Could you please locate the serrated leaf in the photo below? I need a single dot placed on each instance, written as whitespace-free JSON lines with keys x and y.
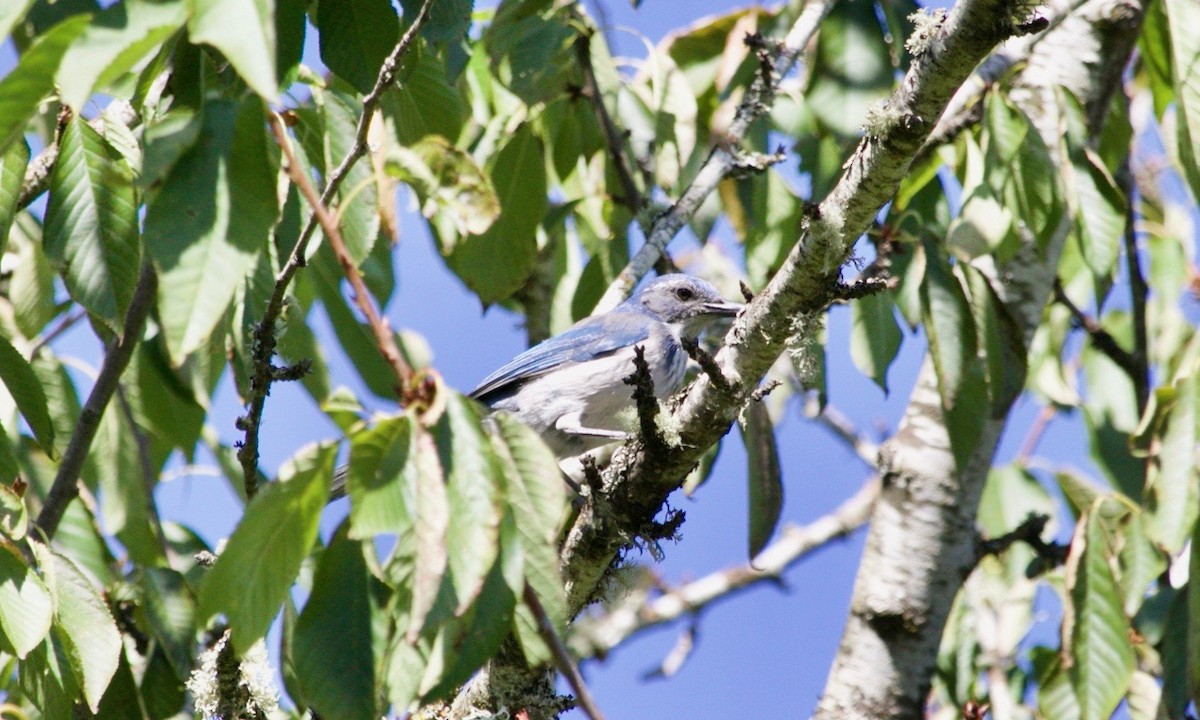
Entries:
{"x":281,"y":524}
{"x":1101,"y":212}
{"x":496,"y":263}
{"x":448,"y":20}
{"x":27,"y":392}
{"x":472,"y":489}
{"x":851,"y":69}
{"x":244,"y":32}
{"x":430,"y":529}
{"x":12,"y":175}
{"x":453,"y":190}
{"x":209,"y":220}
{"x":1184,"y":18}
{"x":1002,"y":340}
{"x":429,"y":104}
{"x":114,"y":42}
{"x":171,"y":610}
{"x":121,"y":478}
{"x":27,"y":84}
{"x":91,"y":232}
{"x":536,"y":494}
{"x":26,"y":607}
{"x":529,"y":51}
{"x":1172,"y":497}
{"x":336,"y":623}
{"x":874,"y":336}
{"x":1095,"y":629}
{"x":356,"y":37}
{"x":763,"y":475}
{"x":165,"y":140}
{"x":82,"y":624}
{"x":379,"y":478}
{"x":358,"y":197}
{"x":1056,"y":697}
{"x":949,"y":324}
{"x":31,"y":288}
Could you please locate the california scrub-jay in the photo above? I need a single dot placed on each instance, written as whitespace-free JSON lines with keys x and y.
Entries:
{"x":570,"y":388}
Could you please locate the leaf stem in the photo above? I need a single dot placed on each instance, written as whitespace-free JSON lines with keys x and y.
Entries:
{"x":262,"y":374}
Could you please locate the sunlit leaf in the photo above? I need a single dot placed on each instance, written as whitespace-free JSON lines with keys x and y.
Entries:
{"x":82,"y":624}
{"x":377,"y":478}
{"x":27,"y":392}
{"x":763,"y":475}
{"x":32,"y":79}
{"x":244,"y":32}
{"x":874,"y":336}
{"x":171,"y":609}
{"x":26,"y":608}
{"x":280,"y":524}
{"x":12,"y":176}
{"x":113,"y":43}
{"x":453,"y":190}
{"x":91,"y":232}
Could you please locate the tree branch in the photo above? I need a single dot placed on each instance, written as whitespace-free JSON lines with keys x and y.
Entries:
{"x":262,"y":374}
{"x":723,"y":157}
{"x":614,"y":137}
{"x":65,"y":487}
{"x":562,"y":658}
{"x":1101,"y":339}
{"x":843,"y":429}
{"x":1138,"y":291}
{"x":636,"y":613}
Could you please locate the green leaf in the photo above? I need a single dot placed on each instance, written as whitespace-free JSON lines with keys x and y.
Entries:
{"x":358,"y":197}
{"x":114,"y":42}
{"x":874,"y":336}
{"x":336,"y":625}
{"x":530,"y":52}
{"x":448,"y":20}
{"x":1101,"y":217}
{"x":171,"y":610}
{"x":14,"y":516}
{"x":31,"y":288}
{"x":1002,"y":339}
{"x":764,"y":477}
{"x":431,"y":526}
{"x":165,"y":140}
{"x":852,"y":67}
{"x":12,"y":175}
{"x":496,"y":263}
{"x":465,"y":643}
{"x":1192,"y":640}
{"x":27,"y":392}
{"x":280,"y":524}
{"x":769,"y":222}
{"x":1172,"y":498}
{"x":82,"y":624}
{"x":26,"y":608}
{"x":91,"y":232}
{"x":379,"y":478}
{"x":428,"y":105}
{"x":1096,"y":630}
{"x":454,"y":192}
{"x":118,"y":471}
{"x":209,"y":220}
{"x":949,"y":323}
{"x":472,"y":488}
{"x":356,"y":37}
{"x":536,"y":494}
{"x":11,"y":13}
{"x":244,"y":32}
{"x":26,"y":85}
{"x":1055,"y":696}
{"x":1184,"y":18}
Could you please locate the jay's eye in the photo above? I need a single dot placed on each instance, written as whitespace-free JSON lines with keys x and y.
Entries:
{"x":685,"y":293}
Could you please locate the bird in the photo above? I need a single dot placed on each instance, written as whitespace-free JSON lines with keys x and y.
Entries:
{"x":570,"y":388}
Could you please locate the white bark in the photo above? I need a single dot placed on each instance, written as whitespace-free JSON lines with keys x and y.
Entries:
{"x":922,"y":540}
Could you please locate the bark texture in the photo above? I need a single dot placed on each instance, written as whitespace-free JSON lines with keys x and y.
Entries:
{"x":922,"y":540}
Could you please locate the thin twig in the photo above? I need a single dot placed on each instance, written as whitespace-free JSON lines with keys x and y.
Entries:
{"x":596,"y":636}
{"x":562,"y":658}
{"x":63,"y":325}
{"x":1030,"y":533}
{"x":843,"y":428}
{"x":1138,"y":290}
{"x":722,"y":159}
{"x":613,"y":136}
{"x":644,"y":399}
{"x":1036,"y":431}
{"x":362,"y":297}
{"x":65,"y":487}
{"x":261,"y":375}
{"x":1101,"y":339}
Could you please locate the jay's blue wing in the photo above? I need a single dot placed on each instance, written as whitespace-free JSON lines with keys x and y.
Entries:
{"x":587,"y":340}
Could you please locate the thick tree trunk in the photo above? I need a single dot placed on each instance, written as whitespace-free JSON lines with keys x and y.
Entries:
{"x":921,"y":545}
